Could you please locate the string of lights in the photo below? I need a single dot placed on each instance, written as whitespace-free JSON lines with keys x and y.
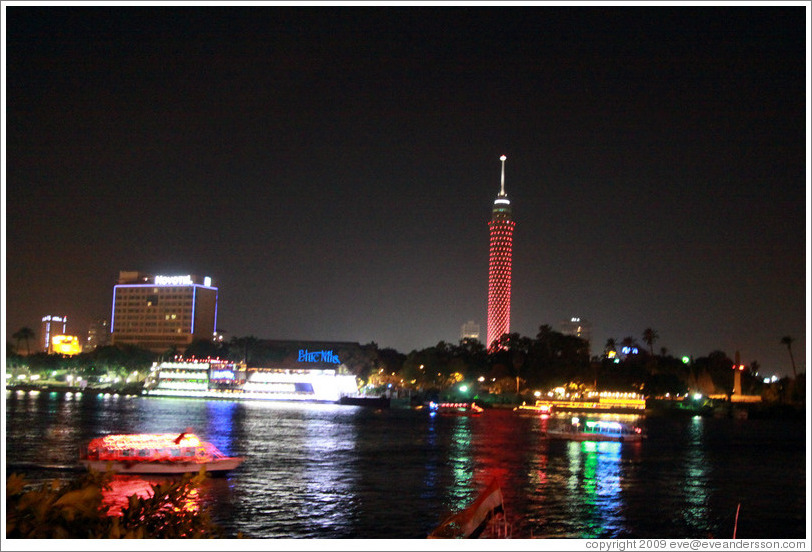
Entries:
{"x":500,"y":264}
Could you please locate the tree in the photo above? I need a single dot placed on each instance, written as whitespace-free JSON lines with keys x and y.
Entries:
{"x":610,"y":347}
{"x":787,"y":340}
{"x":649,"y":337}
{"x":628,"y":341}
{"x":24,"y":333}
{"x":202,"y":348}
{"x":243,"y":347}
{"x":76,"y":510}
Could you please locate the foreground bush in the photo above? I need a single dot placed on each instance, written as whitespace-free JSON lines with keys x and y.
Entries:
{"x":75,"y":510}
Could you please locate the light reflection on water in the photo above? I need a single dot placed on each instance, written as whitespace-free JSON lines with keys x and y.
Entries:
{"x":121,"y":487}
{"x":594,"y":484}
{"x":330,"y":471}
{"x":695,"y":512}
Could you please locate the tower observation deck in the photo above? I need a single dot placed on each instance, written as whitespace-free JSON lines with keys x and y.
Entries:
{"x":500,"y":265}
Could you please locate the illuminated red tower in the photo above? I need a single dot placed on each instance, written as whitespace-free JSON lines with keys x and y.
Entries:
{"x":500,"y":265}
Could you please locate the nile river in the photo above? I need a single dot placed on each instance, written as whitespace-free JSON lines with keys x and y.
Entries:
{"x":331,"y":471}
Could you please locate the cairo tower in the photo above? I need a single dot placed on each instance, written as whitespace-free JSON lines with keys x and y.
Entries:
{"x":500,"y":264}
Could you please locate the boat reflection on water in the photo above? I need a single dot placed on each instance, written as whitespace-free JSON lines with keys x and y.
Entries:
{"x":116,"y":496}
{"x":595,"y":485}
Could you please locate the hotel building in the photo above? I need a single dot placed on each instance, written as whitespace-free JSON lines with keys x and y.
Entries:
{"x":52,"y":326}
{"x":161,"y":312}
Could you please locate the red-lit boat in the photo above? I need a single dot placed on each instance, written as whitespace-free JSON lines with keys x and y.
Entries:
{"x":167,"y":453}
{"x":456,"y":408}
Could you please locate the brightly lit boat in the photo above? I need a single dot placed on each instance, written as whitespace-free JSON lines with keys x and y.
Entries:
{"x":604,"y":401}
{"x":455,"y":408}
{"x":167,"y":453}
{"x":600,"y":430}
{"x":538,"y":408}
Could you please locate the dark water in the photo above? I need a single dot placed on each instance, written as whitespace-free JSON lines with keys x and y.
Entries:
{"x":330,"y":471}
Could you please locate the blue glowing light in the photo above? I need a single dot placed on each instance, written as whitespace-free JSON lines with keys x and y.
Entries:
{"x":222,"y":374}
{"x":318,"y":356}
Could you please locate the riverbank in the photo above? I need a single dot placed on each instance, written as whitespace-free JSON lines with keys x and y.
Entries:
{"x":654,"y":408}
{"x":134,"y":388}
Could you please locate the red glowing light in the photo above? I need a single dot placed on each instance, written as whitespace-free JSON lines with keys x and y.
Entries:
{"x":145,"y":440}
{"x":499,"y":278}
{"x":150,"y":447}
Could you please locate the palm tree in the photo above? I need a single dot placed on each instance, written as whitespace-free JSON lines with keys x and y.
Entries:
{"x":611,"y":346}
{"x":650,"y":336}
{"x":627,"y":342}
{"x":24,"y":333}
{"x":787,"y":340}
{"x":242,"y":347}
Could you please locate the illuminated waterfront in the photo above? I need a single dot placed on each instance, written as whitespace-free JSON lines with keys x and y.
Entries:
{"x":329,"y":471}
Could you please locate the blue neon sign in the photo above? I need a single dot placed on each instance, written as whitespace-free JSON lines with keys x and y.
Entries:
{"x":318,"y":356}
{"x":222,"y":374}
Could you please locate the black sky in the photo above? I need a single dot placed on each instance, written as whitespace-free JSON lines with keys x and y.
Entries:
{"x":333,"y":168}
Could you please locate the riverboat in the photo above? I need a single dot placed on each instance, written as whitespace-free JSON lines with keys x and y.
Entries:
{"x":156,"y":454}
{"x":218,"y":379}
{"x":600,"y":430}
{"x":542,"y":408}
{"x":605,"y":401}
{"x":455,"y":408}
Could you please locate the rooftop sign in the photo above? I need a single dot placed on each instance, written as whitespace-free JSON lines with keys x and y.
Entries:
{"x":318,"y":356}
{"x":174,"y":280}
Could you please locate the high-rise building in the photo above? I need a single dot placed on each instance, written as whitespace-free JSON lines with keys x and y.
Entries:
{"x":160,"y":313}
{"x":51,"y":326}
{"x":500,"y":265}
{"x":469,"y":330}
{"x":577,"y":326}
{"x":98,"y":335}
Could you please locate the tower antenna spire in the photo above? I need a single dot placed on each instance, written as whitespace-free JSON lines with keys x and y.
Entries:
{"x":502,"y":192}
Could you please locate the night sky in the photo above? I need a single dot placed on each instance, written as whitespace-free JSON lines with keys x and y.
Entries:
{"x":333,"y":169}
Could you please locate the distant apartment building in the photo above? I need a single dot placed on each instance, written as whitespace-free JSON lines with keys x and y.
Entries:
{"x":578,"y":327}
{"x":98,"y":335}
{"x":52,"y":326}
{"x":469,"y":331}
{"x":161,"y":312}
